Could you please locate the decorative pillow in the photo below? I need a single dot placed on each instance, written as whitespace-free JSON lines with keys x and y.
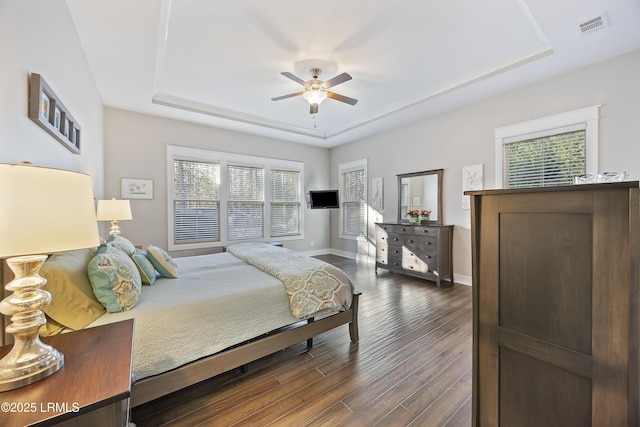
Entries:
{"x":145,"y":268}
{"x":115,"y":280}
{"x":161,"y":260}
{"x":121,"y":243}
{"x":51,"y":327}
{"x":73,"y":304}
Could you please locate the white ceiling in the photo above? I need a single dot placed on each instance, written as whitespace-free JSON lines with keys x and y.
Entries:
{"x":219,"y":62}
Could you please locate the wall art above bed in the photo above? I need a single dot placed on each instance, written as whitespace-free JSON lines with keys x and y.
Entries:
{"x":136,"y":188}
{"x":46,"y":109}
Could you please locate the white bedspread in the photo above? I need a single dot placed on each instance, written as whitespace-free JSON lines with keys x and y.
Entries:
{"x":218,"y":301}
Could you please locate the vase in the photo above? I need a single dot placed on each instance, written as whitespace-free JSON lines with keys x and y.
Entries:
{"x":424,"y":218}
{"x":414,"y":219}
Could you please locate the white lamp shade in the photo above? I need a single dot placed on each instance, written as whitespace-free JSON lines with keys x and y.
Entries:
{"x":114,"y":210}
{"x":45,"y":210}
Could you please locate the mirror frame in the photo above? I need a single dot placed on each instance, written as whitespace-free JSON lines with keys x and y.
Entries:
{"x":437,"y":172}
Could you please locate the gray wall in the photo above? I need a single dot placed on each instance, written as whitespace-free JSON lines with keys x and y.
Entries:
{"x":135,"y":147}
{"x":40,"y":37}
{"x":466,"y":137}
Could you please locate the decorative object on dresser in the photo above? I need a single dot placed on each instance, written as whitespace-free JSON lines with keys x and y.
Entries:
{"x":42,"y":211}
{"x":115,"y":211}
{"x":417,"y":250}
{"x":46,"y":109}
{"x":555,"y":306}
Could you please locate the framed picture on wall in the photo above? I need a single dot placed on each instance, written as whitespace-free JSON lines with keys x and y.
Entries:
{"x":48,"y":112}
{"x":136,"y":188}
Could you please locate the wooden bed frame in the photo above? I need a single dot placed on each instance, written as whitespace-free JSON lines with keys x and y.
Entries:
{"x":160,"y":385}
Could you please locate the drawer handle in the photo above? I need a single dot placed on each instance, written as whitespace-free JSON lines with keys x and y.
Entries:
{"x":382,"y":249}
{"x":429,"y":243}
{"x":396,"y":251}
{"x":410,"y":241}
{"x":425,"y":231}
{"x":396,"y":239}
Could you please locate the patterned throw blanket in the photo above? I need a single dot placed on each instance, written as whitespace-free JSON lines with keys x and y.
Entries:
{"x":314,"y":287}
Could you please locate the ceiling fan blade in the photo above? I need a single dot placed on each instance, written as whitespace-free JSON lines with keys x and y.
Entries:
{"x":342,"y":98}
{"x":313,"y":109}
{"x":294,"y":78}
{"x":291,"y":95}
{"x":341,"y":78}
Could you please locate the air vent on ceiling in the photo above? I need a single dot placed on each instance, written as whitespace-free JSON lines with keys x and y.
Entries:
{"x":593,"y":25}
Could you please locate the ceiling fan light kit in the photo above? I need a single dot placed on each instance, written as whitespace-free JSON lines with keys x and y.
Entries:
{"x":315,"y":91}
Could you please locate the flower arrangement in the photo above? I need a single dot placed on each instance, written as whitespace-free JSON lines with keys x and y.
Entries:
{"x":417,"y":212}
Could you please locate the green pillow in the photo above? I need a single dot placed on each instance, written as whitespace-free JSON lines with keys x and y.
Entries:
{"x":115,"y":280}
{"x":145,"y":268}
{"x":121,"y":243}
{"x":73,"y":304}
{"x":165,"y":265}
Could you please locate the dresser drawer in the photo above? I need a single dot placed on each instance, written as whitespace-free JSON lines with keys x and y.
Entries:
{"x":386,"y":252}
{"x":421,"y":244}
{"x":415,"y":263}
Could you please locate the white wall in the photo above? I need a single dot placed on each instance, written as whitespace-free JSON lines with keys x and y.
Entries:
{"x":135,"y":147}
{"x":39,"y":36}
{"x":465,"y":137}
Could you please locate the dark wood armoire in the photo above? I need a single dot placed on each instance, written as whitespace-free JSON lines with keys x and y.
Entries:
{"x":555,"y":294}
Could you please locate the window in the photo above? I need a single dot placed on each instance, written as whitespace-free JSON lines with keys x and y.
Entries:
{"x":196,"y":203}
{"x":217,"y":198}
{"x":548,"y":151}
{"x":353,"y":199}
{"x":285,"y":203}
{"x":245,"y":203}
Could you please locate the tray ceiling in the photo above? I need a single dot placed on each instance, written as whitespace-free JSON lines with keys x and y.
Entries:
{"x":219,"y":63}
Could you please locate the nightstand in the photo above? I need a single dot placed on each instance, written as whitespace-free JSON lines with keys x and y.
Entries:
{"x":92,"y":388}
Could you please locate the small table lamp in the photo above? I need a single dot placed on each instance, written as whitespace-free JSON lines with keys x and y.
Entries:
{"x":115,"y":211}
{"x":42,"y":210}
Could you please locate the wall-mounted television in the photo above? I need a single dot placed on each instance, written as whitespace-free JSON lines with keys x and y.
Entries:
{"x":324,"y":199}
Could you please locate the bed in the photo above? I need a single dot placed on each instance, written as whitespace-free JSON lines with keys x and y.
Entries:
{"x":222,"y":311}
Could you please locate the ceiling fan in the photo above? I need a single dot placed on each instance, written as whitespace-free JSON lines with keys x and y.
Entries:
{"x":315,"y":91}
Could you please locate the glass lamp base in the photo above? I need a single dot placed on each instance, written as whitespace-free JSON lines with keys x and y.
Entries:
{"x":29,"y":360}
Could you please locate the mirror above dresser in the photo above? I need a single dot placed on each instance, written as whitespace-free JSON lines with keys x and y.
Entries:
{"x":420,"y":191}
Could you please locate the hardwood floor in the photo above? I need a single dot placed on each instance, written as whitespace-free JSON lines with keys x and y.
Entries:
{"x":412,"y":366}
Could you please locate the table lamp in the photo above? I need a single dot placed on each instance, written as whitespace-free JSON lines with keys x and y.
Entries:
{"x":42,"y":211}
{"x":115,"y":211}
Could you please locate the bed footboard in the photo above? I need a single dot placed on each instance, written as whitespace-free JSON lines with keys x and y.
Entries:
{"x":154,"y":387}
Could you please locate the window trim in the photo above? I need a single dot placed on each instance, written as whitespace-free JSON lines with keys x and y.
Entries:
{"x":226,"y":158}
{"x":551,"y":125}
{"x":347,"y":167}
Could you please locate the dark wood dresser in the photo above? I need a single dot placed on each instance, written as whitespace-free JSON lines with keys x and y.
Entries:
{"x":555,"y":295}
{"x":423,"y":251}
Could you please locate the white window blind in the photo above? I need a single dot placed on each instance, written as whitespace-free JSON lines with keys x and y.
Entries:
{"x":217,"y":198}
{"x":544,"y":161}
{"x":353,"y":201}
{"x":547,"y":151}
{"x":285,"y":203}
{"x":196,"y":204}
{"x":245,"y":195}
